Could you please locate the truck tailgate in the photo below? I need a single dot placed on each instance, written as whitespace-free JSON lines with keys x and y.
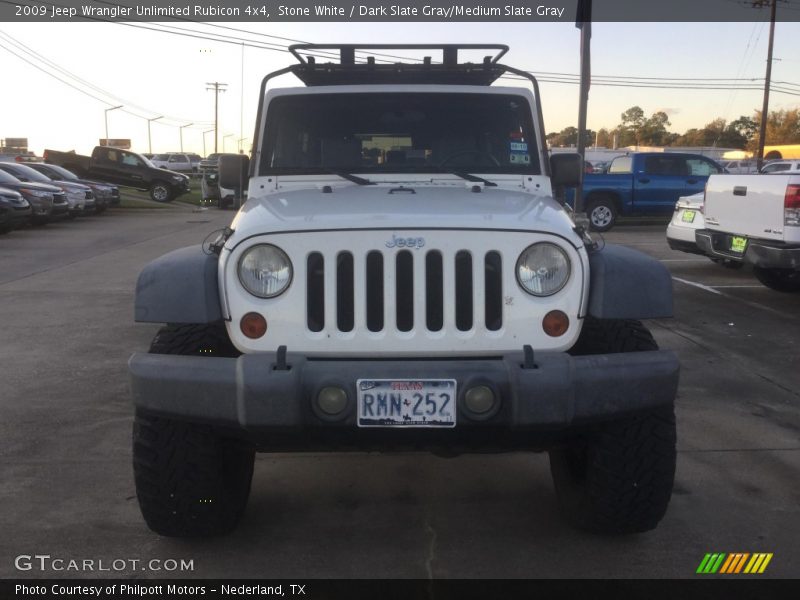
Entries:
{"x":748,"y":205}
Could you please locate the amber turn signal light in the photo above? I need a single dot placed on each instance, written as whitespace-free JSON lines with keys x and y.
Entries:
{"x":253,"y":325}
{"x":555,"y":323}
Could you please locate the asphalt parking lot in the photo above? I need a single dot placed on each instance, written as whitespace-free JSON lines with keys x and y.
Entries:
{"x":66,"y":487}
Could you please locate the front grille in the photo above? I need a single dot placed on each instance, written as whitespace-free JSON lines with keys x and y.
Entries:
{"x":59,"y":198}
{"x":345,"y":289}
{"x":89,"y":195}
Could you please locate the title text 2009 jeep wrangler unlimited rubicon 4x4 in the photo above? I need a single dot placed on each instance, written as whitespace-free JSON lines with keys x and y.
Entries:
{"x":401,"y":277}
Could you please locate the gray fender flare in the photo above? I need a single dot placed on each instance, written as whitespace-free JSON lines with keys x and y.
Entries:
{"x":627,"y":284}
{"x":179,"y":287}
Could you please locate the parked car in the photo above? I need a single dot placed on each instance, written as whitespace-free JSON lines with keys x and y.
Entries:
{"x":40,"y":196}
{"x":75,"y":193}
{"x":644,"y":183}
{"x":687,"y":218}
{"x":14,"y":210}
{"x":105,"y":194}
{"x":781,"y":166}
{"x":173,"y":161}
{"x":755,"y":220}
{"x":123,"y":168}
{"x":195,"y":158}
{"x":210,"y":161}
{"x":738,"y":167}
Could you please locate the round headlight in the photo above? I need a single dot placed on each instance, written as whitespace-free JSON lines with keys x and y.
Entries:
{"x":265,"y":271}
{"x":543,"y":269}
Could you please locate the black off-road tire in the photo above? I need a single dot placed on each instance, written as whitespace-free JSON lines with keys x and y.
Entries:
{"x":780,"y":280}
{"x":618,"y":477}
{"x":210,"y":339}
{"x":191,"y":480}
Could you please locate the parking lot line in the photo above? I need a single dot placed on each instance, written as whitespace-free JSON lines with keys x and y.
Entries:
{"x":699,"y":285}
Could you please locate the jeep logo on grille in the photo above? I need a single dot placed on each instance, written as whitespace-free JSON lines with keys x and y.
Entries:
{"x":405,"y":242}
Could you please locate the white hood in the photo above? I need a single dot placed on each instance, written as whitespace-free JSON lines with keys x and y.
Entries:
{"x":385,"y":206}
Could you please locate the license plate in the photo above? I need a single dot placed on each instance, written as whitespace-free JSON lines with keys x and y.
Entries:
{"x":406,"y":402}
{"x":738,"y":244}
{"x":688,"y":216}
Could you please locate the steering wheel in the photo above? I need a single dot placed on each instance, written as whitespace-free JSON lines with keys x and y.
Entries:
{"x":482,"y":153}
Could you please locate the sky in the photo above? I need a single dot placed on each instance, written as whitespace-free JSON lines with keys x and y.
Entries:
{"x":155,"y":74}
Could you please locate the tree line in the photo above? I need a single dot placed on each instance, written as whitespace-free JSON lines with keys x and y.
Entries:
{"x":635,"y":129}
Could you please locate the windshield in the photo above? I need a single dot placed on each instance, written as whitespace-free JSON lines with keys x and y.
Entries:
{"x":65,"y":174}
{"x":6,"y":178}
{"x":21,"y":171}
{"x":160,"y":157}
{"x":399,"y":133}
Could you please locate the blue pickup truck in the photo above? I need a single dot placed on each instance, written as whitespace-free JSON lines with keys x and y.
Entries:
{"x":648,"y":183}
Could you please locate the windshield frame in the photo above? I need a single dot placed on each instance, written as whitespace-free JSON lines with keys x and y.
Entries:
{"x":529,"y":119}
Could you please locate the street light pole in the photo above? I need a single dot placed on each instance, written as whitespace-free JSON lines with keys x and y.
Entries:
{"x":149,"y":139}
{"x":106,"y":117}
{"x":180,"y":131}
{"x":239,"y":143}
{"x":223,"y":140}
{"x":216,"y":87}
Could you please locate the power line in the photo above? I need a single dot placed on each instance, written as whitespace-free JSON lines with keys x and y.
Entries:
{"x":19,"y":46}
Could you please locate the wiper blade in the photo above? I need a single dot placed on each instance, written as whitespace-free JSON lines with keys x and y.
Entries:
{"x":475,"y":178}
{"x":351,"y":177}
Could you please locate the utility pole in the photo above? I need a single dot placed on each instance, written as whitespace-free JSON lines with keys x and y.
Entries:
{"x":216,"y":87}
{"x":584,"y":22}
{"x":180,"y":131}
{"x":762,"y":131}
{"x":239,"y":144}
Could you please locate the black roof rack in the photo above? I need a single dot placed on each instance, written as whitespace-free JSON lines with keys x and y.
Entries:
{"x":348,"y":71}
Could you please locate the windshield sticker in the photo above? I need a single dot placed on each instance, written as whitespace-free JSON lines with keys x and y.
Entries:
{"x":518,"y":146}
{"x":519,"y":158}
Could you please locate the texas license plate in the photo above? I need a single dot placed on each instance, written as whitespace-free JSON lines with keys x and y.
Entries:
{"x":738,"y":244}
{"x":406,"y":402}
{"x":688,"y":216}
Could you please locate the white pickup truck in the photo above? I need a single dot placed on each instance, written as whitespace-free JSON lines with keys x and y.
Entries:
{"x":756,"y":220}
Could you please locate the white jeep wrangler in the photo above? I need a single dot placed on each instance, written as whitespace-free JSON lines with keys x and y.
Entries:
{"x":401,"y":276}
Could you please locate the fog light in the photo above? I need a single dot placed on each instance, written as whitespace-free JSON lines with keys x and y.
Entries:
{"x":479,"y":399}
{"x":332,"y":400}
{"x":555,"y":323}
{"x":253,"y":325}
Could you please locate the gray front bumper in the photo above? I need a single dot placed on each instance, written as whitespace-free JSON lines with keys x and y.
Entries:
{"x":250,"y":393}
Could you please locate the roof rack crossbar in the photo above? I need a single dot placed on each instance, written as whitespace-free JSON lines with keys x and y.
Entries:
{"x":449,"y":51}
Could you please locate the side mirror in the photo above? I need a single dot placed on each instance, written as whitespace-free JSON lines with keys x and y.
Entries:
{"x":233,"y":171}
{"x":566,"y":170}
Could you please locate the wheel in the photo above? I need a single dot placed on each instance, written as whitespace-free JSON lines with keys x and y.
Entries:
{"x":618,"y":477}
{"x":602,"y":213}
{"x":481,"y":153}
{"x":161,"y":192}
{"x":780,"y":280}
{"x":191,"y":480}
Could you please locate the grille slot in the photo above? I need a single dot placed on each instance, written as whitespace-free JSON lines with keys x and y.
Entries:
{"x":344,"y":291}
{"x":315,"y":291}
{"x":434,"y":291}
{"x":493,"y":291}
{"x":375,"y":291}
{"x":404,"y":288}
{"x":463,"y":299}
